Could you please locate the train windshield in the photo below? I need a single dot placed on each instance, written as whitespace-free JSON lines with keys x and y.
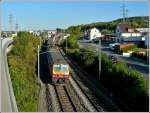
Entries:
{"x":60,"y":68}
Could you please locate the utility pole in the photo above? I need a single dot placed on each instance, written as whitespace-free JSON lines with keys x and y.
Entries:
{"x":147,"y":40}
{"x":66,"y":45}
{"x":124,"y":11}
{"x":40,"y":42}
{"x":99,"y":57}
{"x":66,"y":41}
{"x":17,"y":27}
{"x":38,"y":64}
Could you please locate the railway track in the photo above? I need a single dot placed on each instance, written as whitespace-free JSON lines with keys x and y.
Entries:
{"x":72,"y":96}
{"x":104,"y":97}
{"x":85,"y":90}
{"x":64,"y":98}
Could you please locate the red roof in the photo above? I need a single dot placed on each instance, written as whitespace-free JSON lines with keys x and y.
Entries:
{"x":125,"y":27}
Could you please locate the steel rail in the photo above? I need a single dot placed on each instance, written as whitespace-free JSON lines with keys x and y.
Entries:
{"x":64,"y":99}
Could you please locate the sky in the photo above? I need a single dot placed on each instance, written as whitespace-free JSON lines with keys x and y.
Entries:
{"x":44,"y":14}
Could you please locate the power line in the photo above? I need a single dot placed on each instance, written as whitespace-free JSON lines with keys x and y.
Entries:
{"x":124,"y":11}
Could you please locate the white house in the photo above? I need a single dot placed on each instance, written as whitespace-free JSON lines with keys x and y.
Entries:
{"x":51,"y":32}
{"x":125,"y":33}
{"x":92,"y":34}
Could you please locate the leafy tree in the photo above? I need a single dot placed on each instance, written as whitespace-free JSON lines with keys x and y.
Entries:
{"x":72,"y":42}
{"x":105,"y":31}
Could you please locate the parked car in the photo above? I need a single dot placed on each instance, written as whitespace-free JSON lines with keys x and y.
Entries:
{"x":113,"y":58}
{"x":95,"y":40}
{"x":112,"y":45}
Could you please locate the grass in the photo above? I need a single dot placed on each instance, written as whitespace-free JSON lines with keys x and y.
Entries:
{"x":22,"y":67}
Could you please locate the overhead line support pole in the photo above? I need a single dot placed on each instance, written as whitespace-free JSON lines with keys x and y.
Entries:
{"x":38,"y":64}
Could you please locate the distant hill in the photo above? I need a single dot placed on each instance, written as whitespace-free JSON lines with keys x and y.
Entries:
{"x":109,"y":27}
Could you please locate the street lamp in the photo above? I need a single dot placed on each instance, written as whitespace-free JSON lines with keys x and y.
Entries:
{"x":66,"y":44}
{"x":65,"y":37}
{"x":99,"y":57}
{"x":38,"y":64}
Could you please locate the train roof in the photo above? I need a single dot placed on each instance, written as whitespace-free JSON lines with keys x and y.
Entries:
{"x":55,"y":57}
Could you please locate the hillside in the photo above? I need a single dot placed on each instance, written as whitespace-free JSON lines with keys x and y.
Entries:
{"x":109,"y":27}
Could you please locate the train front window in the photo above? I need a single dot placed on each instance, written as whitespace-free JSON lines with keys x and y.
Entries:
{"x":60,"y":68}
{"x":64,"y":68}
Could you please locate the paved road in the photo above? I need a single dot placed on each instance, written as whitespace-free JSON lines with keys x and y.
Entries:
{"x":7,"y":96}
{"x":141,"y":67}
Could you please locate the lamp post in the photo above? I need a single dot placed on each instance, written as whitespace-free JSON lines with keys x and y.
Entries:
{"x":40,"y":41}
{"x":38,"y":64}
{"x":99,"y":57}
{"x":66,"y":45}
{"x":66,"y":41}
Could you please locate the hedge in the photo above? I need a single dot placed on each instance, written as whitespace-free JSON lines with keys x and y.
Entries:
{"x":129,"y":85}
{"x":140,"y":56}
{"x":120,"y":51}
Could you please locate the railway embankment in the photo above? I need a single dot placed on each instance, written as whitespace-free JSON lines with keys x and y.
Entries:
{"x":22,"y":67}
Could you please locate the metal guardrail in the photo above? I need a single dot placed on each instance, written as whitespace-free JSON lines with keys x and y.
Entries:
{"x":8,"y":99}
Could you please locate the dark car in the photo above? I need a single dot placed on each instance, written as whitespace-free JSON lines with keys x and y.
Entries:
{"x":113,"y":58}
{"x":95,"y":40}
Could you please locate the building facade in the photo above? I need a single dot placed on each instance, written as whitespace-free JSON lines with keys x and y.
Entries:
{"x":92,"y":34}
{"x":125,"y":33}
{"x":51,"y":33}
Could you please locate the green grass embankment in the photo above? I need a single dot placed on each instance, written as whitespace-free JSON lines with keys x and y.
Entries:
{"x":22,"y":67}
{"x":128,"y":85}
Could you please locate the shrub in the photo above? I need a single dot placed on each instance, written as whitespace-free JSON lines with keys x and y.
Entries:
{"x":125,"y":49}
{"x":129,"y":85}
{"x":72,"y":42}
{"x":22,"y":66}
{"x":140,"y":54}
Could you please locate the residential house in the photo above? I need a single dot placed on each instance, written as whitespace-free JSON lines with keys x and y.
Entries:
{"x":125,"y":33}
{"x":108,"y":38}
{"x":92,"y":34}
{"x":51,"y":33}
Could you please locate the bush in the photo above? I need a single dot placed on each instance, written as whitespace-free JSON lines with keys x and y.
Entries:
{"x":140,"y":55}
{"x":126,"y":49}
{"x":129,"y":48}
{"x":129,"y":85}
{"x":22,"y":65}
{"x":72,"y":42}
